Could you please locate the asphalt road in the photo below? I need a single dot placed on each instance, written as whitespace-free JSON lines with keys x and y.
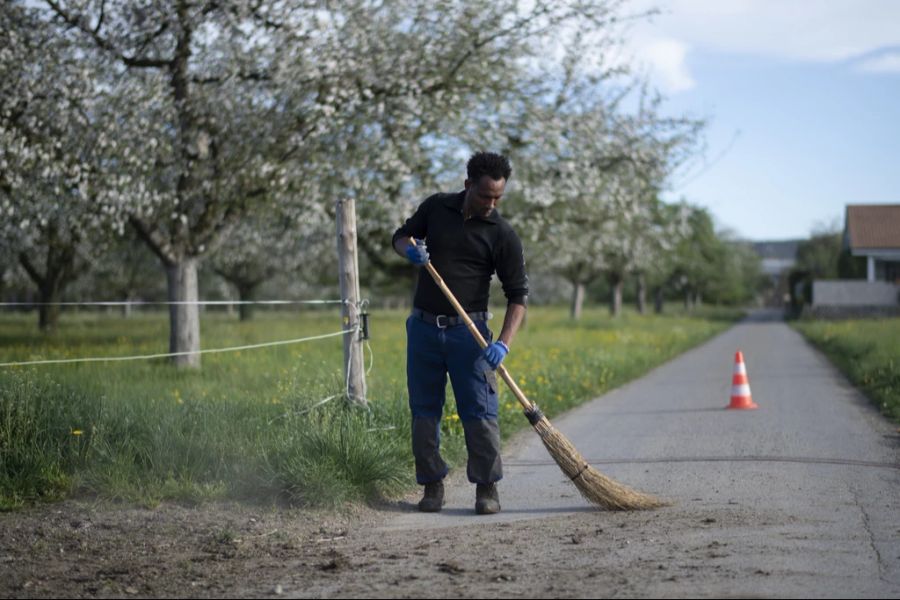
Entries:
{"x":798,"y":498}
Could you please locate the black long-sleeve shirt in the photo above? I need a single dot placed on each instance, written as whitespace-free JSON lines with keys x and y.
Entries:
{"x":466,"y":253}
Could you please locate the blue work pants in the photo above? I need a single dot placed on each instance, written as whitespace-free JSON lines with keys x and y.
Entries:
{"x":432,"y":353}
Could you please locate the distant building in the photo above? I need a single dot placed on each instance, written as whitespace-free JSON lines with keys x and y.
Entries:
{"x":777,"y":258}
{"x":873,"y":231}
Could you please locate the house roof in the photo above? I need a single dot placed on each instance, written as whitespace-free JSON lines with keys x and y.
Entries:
{"x":873,"y":226}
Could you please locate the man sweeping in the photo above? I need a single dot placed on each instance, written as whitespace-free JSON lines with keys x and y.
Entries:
{"x":468,"y":241}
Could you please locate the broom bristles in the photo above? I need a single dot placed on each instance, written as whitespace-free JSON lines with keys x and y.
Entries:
{"x":596,"y":487}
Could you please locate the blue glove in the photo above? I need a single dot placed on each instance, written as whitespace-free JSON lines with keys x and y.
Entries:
{"x":418,"y":254}
{"x":495,"y":353}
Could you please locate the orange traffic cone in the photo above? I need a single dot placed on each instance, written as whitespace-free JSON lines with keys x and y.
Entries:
{"x":740,"y":386}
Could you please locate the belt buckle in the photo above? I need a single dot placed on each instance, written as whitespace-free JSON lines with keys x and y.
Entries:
{"x":437,"y":321}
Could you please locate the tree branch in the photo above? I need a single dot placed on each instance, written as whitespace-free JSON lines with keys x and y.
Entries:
{"x":100,"y":19}
{"x":80,"y":22}
{"x":253,"y":76}
{"x":158,"y":244}
{"x":31,"y":270}
{"x":214,"y":231}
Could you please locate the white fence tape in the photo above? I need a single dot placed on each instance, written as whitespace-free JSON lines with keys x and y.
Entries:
{"x":362,"y":305}
{"x":171,"y":303}
{"x":171,"y":354}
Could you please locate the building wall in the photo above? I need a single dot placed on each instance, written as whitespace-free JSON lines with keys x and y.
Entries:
{"x":855,"y":293}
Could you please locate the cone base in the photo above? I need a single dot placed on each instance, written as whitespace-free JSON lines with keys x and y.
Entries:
{"x":742,"y":403}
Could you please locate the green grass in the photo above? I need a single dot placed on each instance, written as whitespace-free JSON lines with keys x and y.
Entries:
{"x":247,"y":425}
{"x":867,"y":351}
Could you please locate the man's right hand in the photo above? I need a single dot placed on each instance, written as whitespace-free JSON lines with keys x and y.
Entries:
{"x":418,"y":254}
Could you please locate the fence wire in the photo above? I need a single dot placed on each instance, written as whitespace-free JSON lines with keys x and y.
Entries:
{"x":346,"y":392}
{"x":111,"y":303}
{"x":60,"y":361}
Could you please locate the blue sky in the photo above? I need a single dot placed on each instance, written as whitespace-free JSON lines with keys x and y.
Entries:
{"x":803,"y":98}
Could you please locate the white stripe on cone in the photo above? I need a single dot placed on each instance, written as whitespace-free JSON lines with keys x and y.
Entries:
{"x":740,"y":390}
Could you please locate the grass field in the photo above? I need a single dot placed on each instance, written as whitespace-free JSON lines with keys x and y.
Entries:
{"x":868,"y":353}
{"x":250,"y":423}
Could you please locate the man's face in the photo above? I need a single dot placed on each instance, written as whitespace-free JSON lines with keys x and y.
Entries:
{"x":483,"y":196}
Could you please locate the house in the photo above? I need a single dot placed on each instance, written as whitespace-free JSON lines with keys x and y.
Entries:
{"x":871,"y":231}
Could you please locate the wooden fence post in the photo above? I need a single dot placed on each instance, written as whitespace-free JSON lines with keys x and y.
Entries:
{"x":354,"y":364}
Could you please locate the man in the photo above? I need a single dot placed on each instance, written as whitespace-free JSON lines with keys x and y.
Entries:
{"x":467,"y":241}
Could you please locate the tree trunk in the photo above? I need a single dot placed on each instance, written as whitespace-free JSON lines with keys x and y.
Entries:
{"x":615,"y":297}
{"x":226,"y":293}
{"x":51,"y":292}
{"x":577,"y":300}
{"x":658,"y":300}
{"x":641,"y":293}
{"x":127,"y":308}
{"x":58,"y":271}
{"x":184,"y":317}
{"x":616,"y":306}
{"x":246,"y":293}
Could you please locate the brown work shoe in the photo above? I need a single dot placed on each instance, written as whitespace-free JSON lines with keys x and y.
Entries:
{"x":433,"y":499}
{"x":487,"y":500}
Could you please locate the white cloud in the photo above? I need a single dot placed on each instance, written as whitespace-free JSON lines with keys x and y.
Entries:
{"x":886,"y":63}
{"x":665,"y":58}
{"x":806,"y":30}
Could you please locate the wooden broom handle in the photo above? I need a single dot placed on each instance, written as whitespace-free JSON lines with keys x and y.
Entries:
{"x":520,"y":396}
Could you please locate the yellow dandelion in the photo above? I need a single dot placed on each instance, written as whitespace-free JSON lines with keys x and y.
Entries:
{"x":77,"y":432}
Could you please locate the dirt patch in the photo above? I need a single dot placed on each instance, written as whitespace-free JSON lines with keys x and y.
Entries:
{"x":78,"y":549}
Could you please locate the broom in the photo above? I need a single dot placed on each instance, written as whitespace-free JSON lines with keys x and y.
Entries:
{"x":596,"y":487}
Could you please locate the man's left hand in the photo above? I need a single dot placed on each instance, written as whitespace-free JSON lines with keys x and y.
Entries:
{"x":495,"y":353}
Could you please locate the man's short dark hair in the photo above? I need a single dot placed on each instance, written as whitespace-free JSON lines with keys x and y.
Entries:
{"x":495,"y":166}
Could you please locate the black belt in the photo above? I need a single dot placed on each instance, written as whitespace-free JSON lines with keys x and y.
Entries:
{"x":444,"y":321}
